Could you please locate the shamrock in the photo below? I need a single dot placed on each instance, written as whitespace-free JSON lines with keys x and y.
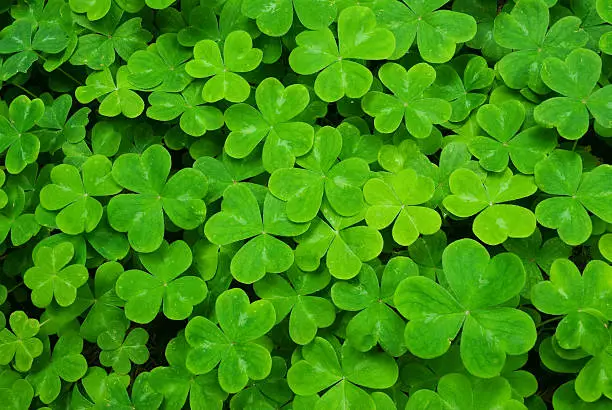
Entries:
{"x":320,"y":369}
{"x":426,"y":252}
{"x":565,"y":398}
{"x":408,"y":103}
{"x":116,"y":98}
{"x":275,"y":19}
{"x":144,"y":292}
{"x":450,"y":87}
{"x":358,"y":38}
{"x":537,"y":256}
{"x":176,"y":382}
{"x":593,"y":381}
{"x":393,"y":198}
{"x":97,"y":50}
{"x":307,"y":313}
{"x":268,"y":393}
{"x":239,"y":56}
{"x":466,"y":393}
{"x":358,"y":144}
{"x":502,"y":122}
{"x":141,"y":215}
{"x":53,"y":277}
{"x":23,"y":146}
{"x":66,"y":363}
{"x":525,"y":29}
{"x":478,"y":285}
{"x":15,"y":393}
{"x":581,"y":299}
{"x":345,"y":246}
{"x":22,"y":226}
{"x":437,"y":32}
{"x":106,"y":308}
{"x":119,"y":353}
{"x":240,"y":218}
{"x":24,"y":39}
{"x":285,"y":139}
{"x":232,"y":346}
{"x":58,"y":127}
{"x":161,"y":66}
{"x":74,"y":195}
{"x":20,"y":344}
{"x":561,"y":174}
{"x":376,"y":321}
{"x":495,"y":221}
{"x":95,"y":9}
{"x":304,"y":188}
{"x":575,"y":79}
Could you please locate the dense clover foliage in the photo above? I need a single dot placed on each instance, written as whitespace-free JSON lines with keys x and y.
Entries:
{"x":306,"y":204}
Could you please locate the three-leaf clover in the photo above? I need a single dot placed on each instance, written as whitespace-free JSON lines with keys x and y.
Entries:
{"x":73,"y":194}
{"x":477,"y":286}
{"x":232,"y":345}
{"x":21,"y":225}
{"x":275,"y":18}
{"x":307,"y":313}
{"x":241,"y":218}
{"x":582,"y":301}
{"x":284,"y":139}
{"x":320,"y":369}
{"x":120,"y":350}
{"x":239,"y":56}
{"x":58,"y":128}
{"x":376,"y":321}
{"x":525,"y":29}
{"x":53,"y":277}
{"x":141,"y":215}
{"x":23,"y":146}
{"x":20,"y":342}
{"x":496,"y":221}
{"x":145,"y":292}
{"x":502,"y":122}
{"x":408,"y":102}
{"x":394,"y":198}
{"x":561,"y":174}
{"x":321,"y":175}
{"x":576,"y":79}
{"x":358,"y":38}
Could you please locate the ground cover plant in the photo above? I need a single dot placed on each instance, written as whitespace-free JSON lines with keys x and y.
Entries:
{"x":306,"y":204}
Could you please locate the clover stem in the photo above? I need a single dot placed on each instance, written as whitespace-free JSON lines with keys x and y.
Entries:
{"x":22,"y":88}
{"x":575,"y":144}
{"x":554,"y":319}
{"x":15,"y":287}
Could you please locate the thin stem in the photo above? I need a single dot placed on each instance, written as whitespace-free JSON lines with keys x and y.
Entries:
{"x":554,"y":319}
{"x":69,"y":76}
{"x":575,"y":144}
{"x":25,"y":90}
{"x":15,"y":287}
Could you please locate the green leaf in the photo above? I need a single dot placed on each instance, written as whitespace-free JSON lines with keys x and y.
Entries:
{"x":20,"y":344}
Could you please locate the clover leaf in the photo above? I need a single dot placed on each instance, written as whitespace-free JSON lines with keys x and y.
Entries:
{"x":275,"y":19}
{"x":593,"y":381}
{"x":21,"y":225}
{"x":19,"y":343}
{"x":58,"y":127}
{"x":466,"y":394}
{"x":394,"y":199}
{"x":294,"y":297}
{"x":581,"y":300}
{"x":575,"y":79}
{"x":23,"y":146}
{"x":97,"y":50}
{"x":66,"y":363}
{"x":145,"y":292}
{"x":503,"y":122}
{"x":561,"y":174}
{"x":344,"y":246}
{"x":358,"y":38}
{"x":239,"y":56}
{"x":495,"y":221}
{"x":320,"y":369}
{"x":321,"y":176}
{"x":267,"y":393}
{"x":240,"y":218}
{"x":141,"y":214}
{"x":95,"y":9}
{"x":565,"y":398}
{"x":74,"y":195}
{"x":120,"y":350}
{"x":408,"y":102}
{"x":116,"y":97}
{"x":437,"y":32}
{"x":15,"y":393}
{"x":479,"y":285}
{"x":196,"y":117}
{"x":232,"y":346}
{"x":525,"y":29}
{"x":53,"y":277}
{"x":376,"y":322}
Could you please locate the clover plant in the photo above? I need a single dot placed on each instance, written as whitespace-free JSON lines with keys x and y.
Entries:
{"x":306,"y":204}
